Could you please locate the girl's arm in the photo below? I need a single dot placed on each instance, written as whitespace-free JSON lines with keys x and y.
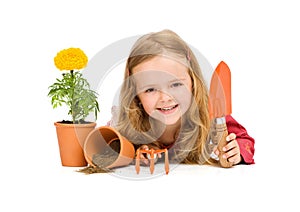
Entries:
{"x":246,"y":142}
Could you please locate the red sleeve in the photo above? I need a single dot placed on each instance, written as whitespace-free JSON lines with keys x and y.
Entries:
{"x":246,"y":143}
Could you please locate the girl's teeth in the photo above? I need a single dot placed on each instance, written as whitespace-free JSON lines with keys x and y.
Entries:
{"x":167,"y":108}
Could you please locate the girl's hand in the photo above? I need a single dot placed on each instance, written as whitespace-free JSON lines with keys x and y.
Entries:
{"x":232,"y":150}
{"x":144,"y":158}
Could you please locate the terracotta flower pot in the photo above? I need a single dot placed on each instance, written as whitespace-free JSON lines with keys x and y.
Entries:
{"x":71,"y":139}
{"x":99,"y":141}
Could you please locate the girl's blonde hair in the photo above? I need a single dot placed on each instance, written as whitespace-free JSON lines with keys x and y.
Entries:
{"x":136,"y":125}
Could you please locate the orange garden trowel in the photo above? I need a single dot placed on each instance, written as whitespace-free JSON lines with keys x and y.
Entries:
{"x":219,"y":107}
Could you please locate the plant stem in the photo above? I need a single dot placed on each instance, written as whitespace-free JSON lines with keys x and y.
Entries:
{"x":72,"y":100}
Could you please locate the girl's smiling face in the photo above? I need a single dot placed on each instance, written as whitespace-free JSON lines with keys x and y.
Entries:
{"x":164,"y":88}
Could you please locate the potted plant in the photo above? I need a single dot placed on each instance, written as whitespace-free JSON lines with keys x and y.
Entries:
{"x":73,"y":91}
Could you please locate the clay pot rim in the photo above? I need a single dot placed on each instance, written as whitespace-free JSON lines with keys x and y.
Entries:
{"x":92,"y":124}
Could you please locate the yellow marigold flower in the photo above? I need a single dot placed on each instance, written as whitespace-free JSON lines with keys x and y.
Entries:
{"x":70,"y":59}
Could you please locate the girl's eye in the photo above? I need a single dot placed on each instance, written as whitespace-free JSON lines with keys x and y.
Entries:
{"x":176,"y":84}
{"x":149,"y":90}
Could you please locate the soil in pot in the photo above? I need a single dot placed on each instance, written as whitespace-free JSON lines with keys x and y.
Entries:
{"x":71,"y":122}
{"x":103,"y":159}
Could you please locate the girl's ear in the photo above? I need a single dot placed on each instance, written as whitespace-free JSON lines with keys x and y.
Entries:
{"x":127,"y":73}
{"x":188,"y":55}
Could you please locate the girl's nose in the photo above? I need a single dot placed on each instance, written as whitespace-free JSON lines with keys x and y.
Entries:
{"x":164,"y":97}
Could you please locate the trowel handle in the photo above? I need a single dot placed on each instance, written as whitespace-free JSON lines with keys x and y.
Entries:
{"x":223,"y":162}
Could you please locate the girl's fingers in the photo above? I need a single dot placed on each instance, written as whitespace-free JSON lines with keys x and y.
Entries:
{"x":232,"y":149}
{"x":231,"y":136}
{"x":217,"y":152}
{"x":233,"y":155}
{"x":143,"y":159}
{"x":235,"y":159}
{"x":144,"y":147}
{"x":231,"y":152}
{"x":230,"y":145}
{"x":156,"y":156}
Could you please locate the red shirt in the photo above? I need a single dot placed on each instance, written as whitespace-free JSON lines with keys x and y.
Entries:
{"x":246,"y":143}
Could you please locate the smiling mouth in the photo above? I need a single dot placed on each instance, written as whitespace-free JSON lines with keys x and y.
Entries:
{"x":165,"y":109}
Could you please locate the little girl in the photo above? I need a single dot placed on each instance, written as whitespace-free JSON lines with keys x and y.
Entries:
{"x":164,"y":104}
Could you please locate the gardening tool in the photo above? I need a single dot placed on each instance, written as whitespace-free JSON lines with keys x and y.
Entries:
{"x":151,"y":152}
{"x":219,"y":107}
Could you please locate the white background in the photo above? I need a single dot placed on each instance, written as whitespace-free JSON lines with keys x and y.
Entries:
{"x":259,"y":40}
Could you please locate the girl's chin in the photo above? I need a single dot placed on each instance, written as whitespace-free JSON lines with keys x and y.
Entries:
{"x":171,"y":122}
{"x":167,"y":121}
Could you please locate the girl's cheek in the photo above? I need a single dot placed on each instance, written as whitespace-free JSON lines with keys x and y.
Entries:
{"x":182,"y":95}
{"x":148,"y":103}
